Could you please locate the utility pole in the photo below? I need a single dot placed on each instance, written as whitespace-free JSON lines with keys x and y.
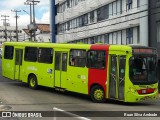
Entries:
{"x":53,"y":26}
{"x":16,"y":11}
{"x":5,"y":24}
{"x":30,"y":4}
{"x":33,"y":26}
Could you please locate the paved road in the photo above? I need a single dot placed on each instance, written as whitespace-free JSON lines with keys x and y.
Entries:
{"x":16,"y":96}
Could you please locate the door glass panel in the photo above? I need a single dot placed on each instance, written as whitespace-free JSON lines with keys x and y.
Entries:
{"x":113,"y":76}
{"x":58,"y":61}
{"x":18,"y":60}
{"x":122,"y":65}
{"x":64,"y":62}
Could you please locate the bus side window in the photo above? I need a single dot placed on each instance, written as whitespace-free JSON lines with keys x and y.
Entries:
{"x":77,"y":58}
{"x":8,"y":52}
{"x":30,"y":54}
{"x":96,"y":59}
{"x":45,"y":55}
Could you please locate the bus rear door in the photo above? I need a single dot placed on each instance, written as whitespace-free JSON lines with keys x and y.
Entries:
{"x":18,"y":63}
{"x":60,"y":69}
{"x":116,"y":76}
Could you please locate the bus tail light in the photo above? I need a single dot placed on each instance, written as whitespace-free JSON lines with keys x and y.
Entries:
{"x":146,"y":91}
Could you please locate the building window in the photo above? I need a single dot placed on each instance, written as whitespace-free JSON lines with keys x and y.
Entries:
{"x":86,"y":41}
{"x":100,"y":39}
{"x":68,"y":25}
{"x":85,"y":19}
{"x":68,"y":3}
{"x":119,"y":7}
{"x":78,"y":58}
{"x":65,"y":26}
{"x":110,"y":9}
{"x":106,"y":38}
{"x":61,"y":7}
{"x":129,"y":35}
{"x":158,"y":32}
{"x":92,"y":41}
{"x":92,"y":17}
{"x":129,"y":4}
{"x":119,"y":37}
{"x":80,"y":21}
{"x":103,"y":13}
{"x":114,"y":37}
{"x":114,"y":8}
{"x":110,"y":38}
{"x":138,"y":35}
{"x":138,"y":3}
{"x":74,"y":23}
{"x":77,"y":22}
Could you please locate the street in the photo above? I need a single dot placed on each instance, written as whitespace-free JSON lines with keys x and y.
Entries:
{"x":17,"y":96}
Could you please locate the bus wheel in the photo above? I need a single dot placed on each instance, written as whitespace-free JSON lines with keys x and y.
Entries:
{"x":97,"y":94}
{"x":32,"y":82}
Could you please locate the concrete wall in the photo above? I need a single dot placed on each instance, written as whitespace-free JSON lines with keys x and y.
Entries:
{"x":154,"y":17}
{"x":134,"y":17}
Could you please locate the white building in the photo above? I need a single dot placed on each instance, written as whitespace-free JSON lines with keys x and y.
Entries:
{"x":107,"y":21}
{"x":10,"y":32}
{"x":42,"y":33}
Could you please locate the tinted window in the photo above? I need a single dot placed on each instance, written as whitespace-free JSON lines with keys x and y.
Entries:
{"x":8,"y":52}
{"x":64,"y":61}
{"x":58,"y":61}
{"x":78,"y":58}
{"x":19,"y":54}
{"x":96,"y":59}
{"x":30,"y":54}
{"x":102,"y":13}
{"x":142,"y":69}
{"x":45,"y":55}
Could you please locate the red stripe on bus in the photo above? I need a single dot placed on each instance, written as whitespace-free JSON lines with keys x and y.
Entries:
{"x":98,"y":76}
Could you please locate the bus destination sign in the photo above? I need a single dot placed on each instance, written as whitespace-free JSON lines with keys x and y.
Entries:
{"x":143,"y":50}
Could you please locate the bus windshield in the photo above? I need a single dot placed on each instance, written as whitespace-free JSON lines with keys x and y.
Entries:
{"x":143,"y":69}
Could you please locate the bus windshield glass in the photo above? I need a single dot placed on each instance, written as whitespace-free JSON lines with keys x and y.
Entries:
{"x":143,"y":69}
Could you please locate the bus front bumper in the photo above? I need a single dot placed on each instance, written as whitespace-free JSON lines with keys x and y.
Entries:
{"x":135,"y":97}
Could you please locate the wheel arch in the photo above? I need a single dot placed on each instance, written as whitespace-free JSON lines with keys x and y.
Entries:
{"x":96,"y":84}
{"x":31,"y":75}
{"x":97,"y":93}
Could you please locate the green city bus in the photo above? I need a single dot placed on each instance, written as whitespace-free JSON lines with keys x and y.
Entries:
{"x":121,"y":72}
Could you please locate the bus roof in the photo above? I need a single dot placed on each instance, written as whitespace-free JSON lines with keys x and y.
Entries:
{"x":58,"y":45}
{"x":120,"y":48}
{"x":74,"y":46}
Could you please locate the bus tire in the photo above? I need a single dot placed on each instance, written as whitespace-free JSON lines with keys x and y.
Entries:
{"x":97,"y":94}
{"x":32,"y":81}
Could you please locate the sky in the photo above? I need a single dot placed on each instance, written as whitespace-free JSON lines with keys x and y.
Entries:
{"x":42,"y":12}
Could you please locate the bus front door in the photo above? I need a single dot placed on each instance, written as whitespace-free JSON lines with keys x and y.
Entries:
{"x":18,"y":63}
{"x":122,"y":68}
{"x":60,"y":69}
{"x":117,"y":74}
